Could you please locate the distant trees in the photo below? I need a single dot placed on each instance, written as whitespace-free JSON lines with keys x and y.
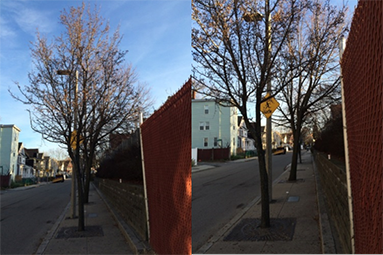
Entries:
{"x":96,"y":93}
{"x":312,"y":51}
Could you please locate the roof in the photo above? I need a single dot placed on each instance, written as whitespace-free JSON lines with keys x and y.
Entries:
{"x":10,"y":126}
{"x":32,"y":153}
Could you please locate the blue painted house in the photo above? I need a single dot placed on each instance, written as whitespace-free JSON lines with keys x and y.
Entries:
{"x":214,"y":125}
{"x":9,"y":149}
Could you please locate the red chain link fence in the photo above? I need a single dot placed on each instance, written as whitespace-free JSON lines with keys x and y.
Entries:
{"x":166,"y":139}
{"x":362,"y":69}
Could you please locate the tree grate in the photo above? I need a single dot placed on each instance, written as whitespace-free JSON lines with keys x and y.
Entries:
{"x":249,"y":229}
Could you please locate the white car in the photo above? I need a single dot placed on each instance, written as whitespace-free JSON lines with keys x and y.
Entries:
{"x":288,"y":147}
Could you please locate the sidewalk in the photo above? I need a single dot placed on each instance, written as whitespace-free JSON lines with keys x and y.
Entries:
{"x":296,"y":220}
{"x":101,"y":236}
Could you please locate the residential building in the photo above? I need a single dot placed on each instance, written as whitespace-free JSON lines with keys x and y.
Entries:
{"x":214,"y":125}
{"x":245,"y":142}
{"x":23,"y":169}
{"x":263,"y":134}
{"x":50,"y":166}
{"x":36,"y":160}
{"x":276,"y":139}
{"x":65,"y":166}
{"x":9,"y":145}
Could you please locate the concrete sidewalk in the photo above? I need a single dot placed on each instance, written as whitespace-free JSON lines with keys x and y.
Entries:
{"x":101,"y":236}
{"x":296,"y":220}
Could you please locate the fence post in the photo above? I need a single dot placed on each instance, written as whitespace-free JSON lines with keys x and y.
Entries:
{"x":144,"y":179}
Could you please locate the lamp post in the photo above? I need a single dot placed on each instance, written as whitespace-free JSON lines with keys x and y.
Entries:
{"x":73,"y":185}
{"x":255,"y":17}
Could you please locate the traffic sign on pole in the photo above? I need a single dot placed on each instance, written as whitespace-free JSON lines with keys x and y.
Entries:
{"x":269,"y":105}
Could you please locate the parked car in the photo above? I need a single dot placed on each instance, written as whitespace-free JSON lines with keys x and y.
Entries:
{"x":279,"y":150}
{"x":58,"y":178}
{"x":288,"y":147}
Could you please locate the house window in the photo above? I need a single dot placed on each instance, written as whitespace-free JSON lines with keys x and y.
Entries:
{"x":233,"y":141}
{"x":215,"y":141}
{"x":201,"y":126}
{"x":206,"y":109}
{"x":207,"y":126}
{"x":206,"y":142}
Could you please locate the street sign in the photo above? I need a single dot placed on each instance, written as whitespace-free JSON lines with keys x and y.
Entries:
{"x":269,"y":106}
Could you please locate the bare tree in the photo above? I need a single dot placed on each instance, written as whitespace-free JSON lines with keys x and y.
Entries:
{"x":58,"y":153}
{"x":236,"y":45}
{"x":98,"y":95}
{"x":313,"y":49}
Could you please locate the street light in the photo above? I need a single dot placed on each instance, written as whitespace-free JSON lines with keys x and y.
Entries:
{"x":256,"y":17}
{"x":73,"y":185}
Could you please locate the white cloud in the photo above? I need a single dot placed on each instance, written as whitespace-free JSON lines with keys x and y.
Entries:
{"x":22,"y":15}
{"x":30,"y":19}
{"x":6,"y":30}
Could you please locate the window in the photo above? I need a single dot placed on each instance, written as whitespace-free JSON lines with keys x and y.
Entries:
{"x":206,"y":142}
{"x":215,"y":141}
{"x":207,"y":127}
{"x":206,"y":109}
{"x":233,"y":141}
{"x":201,"y":126}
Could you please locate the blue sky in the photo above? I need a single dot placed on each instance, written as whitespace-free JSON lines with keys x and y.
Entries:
{"x":156,"y":33}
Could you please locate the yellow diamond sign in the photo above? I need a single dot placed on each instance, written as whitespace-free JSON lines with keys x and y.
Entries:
{"x":269,"y":106}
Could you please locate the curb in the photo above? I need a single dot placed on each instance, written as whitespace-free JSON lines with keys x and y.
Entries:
{"x":49,"y":236}
{"x":138,"y":246}
{"x":327,"y":239}
{"x":202,"y":168}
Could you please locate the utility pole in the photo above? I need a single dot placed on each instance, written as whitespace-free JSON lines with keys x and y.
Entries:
{"x":74,"y":165}
{"x":73,"y":188}
{"x":269,"y":166}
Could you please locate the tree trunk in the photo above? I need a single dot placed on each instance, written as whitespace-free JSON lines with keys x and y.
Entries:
{"x":300,"y":152}
{"x":294,"y":160}
{"x":81,"y":220}
{"x":88,"y":167}
{"x":86,"y":184}
{"x":265,"y":216}
{"x":265,"y":201}
{"x":76,"y":172}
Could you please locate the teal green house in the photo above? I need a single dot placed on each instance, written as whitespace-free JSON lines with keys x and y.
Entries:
{"x":214,"y":125}
{"x":9,"y":149}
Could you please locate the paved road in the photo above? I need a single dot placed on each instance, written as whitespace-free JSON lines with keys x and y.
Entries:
{"x":28,"y":214}
{"x":222,"y":192}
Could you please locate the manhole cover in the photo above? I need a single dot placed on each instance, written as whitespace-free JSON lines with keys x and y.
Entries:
{"x":72,"y":232}
{"x":250,"y":230}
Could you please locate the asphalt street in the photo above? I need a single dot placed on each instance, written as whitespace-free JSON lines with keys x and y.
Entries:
{"x":219,"y":194}
{"x":28,"y":214}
